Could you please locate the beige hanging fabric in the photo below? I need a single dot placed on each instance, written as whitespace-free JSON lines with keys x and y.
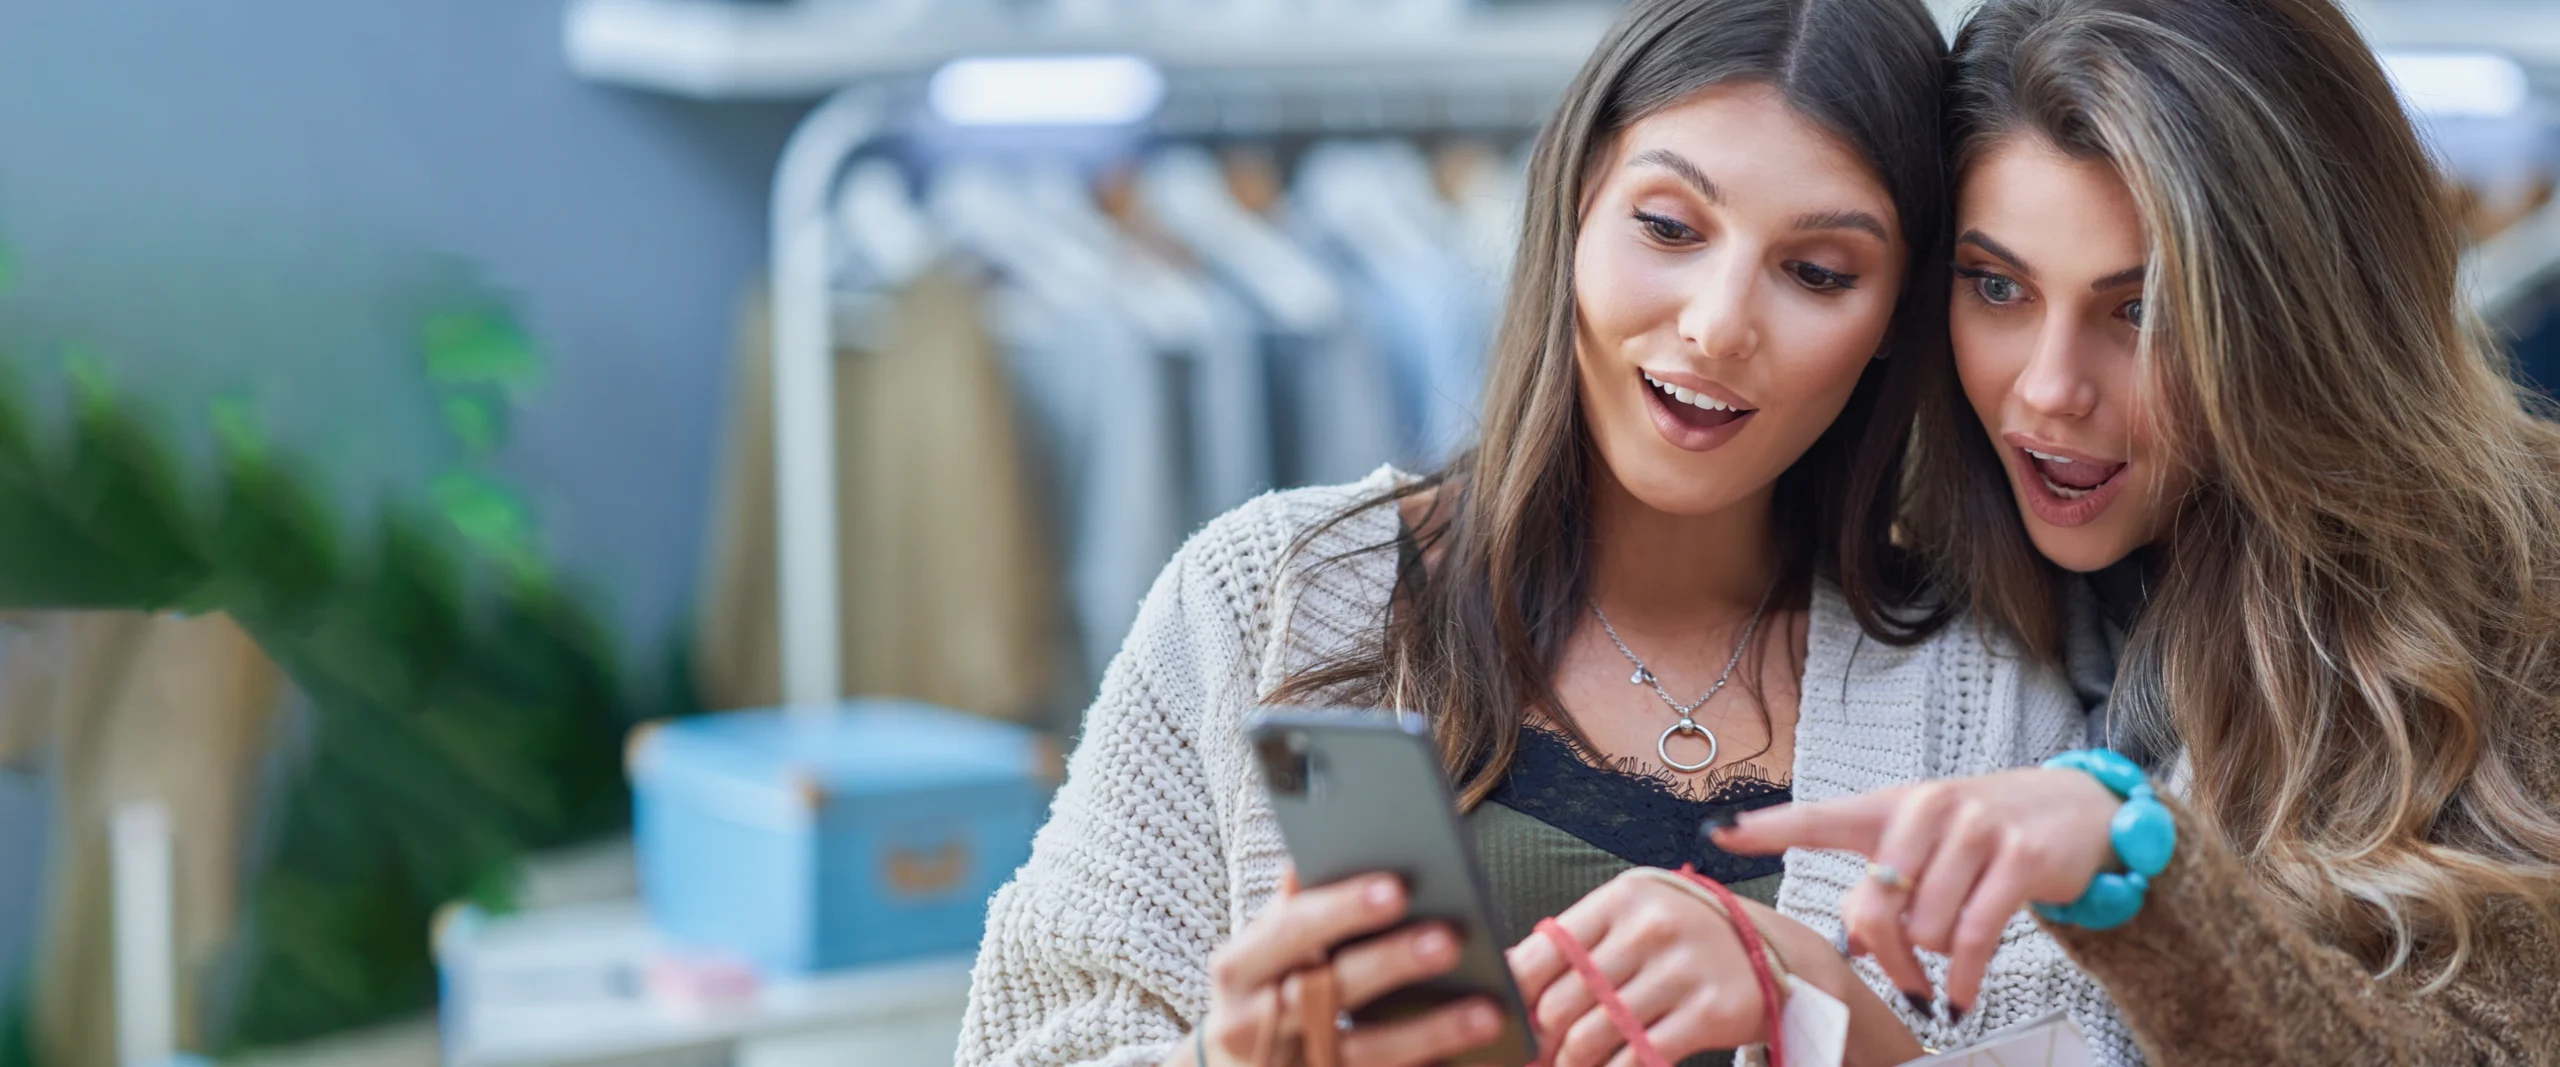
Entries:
{"x":948,"y":595}
{"x":137,"y":707}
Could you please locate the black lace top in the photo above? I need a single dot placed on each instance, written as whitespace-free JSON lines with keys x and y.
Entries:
{"x":1640,"y":814}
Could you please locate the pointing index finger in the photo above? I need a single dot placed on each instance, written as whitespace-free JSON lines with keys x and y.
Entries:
{"x":1853,"y":824}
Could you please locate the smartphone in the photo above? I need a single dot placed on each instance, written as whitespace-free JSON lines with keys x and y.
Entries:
{"x":1360,"y":792}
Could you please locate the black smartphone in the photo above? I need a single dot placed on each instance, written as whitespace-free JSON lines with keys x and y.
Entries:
{"x":1360,"y":792}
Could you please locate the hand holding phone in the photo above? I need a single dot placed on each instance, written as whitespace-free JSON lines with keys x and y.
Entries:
{"x":1394,"y":897}
{"x":1361,"y":924}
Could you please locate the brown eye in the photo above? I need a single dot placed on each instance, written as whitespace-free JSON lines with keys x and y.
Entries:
{"x":1821,"y":279}
{"x":1665,"y":229}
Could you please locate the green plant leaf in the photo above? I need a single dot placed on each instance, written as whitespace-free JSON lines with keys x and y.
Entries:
{"x":476,"y":421}
{"x":493,"y":519}
{"x":480,"y":348}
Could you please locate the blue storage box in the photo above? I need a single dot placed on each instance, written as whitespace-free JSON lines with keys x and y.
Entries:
{"x":805,"y":842}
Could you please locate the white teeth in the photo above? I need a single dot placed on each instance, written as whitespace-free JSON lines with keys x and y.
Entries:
{"x":2064,"y":491}
{"x":2048,"y":458}
{"x":1687,"y":396}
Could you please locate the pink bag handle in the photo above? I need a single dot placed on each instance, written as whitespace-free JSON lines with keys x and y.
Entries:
{"x":1632,"y":1029}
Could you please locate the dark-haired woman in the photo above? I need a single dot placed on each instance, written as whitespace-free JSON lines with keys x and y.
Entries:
{"x":2211,"y":351}
{"x":1661,"y":589}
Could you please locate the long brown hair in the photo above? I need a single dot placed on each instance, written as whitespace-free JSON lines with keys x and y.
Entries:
{"x":2352,"y":619}
{"x":1473,"y":639}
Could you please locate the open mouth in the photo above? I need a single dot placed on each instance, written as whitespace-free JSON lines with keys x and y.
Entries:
{"x":2065,"y":489}
{"x":1693,"y":409}
{"x":2071,"y":479}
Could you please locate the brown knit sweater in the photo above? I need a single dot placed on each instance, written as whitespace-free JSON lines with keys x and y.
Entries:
{"x":2212,"y":972}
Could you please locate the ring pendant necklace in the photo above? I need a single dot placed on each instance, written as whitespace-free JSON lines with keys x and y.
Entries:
{"x":1687,"y":725}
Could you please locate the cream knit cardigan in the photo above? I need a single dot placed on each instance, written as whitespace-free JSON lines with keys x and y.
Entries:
{"x":1160,"y":843}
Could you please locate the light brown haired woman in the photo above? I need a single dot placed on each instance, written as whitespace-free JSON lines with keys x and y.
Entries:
{"x":2210,"y":353}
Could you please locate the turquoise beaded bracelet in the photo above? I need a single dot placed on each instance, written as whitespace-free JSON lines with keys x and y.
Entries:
{"x":2143,"y":832}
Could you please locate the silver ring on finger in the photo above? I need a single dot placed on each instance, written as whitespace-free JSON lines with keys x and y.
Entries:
{"x":1888,"y":876}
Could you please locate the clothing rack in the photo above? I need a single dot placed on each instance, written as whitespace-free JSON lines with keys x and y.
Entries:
{"x":1483,"y":71}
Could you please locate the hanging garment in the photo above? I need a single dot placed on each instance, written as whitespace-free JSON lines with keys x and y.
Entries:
{"x":1332,"y":396}
{"x":1227,"y":423}
{"x":136,"y":707}
{"x":946,"y":590}
{"x":1106,"y":399}
{"x":1369,"y":209}
{"x":1334,"y":393}
{"x":1486,"y":192}
{"x":1108,"y":412}
{"x":2536,"y":347}
{"x":1202,"y":332}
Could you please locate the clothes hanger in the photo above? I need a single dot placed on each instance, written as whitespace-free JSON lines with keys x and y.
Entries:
{"x":1365,"y":196}
{"x":880,"y":226}
{"x":1185,"y":189}
{"x":1169,"y":308}
{"x":1253,"y":178}
{"x":980,"y":208}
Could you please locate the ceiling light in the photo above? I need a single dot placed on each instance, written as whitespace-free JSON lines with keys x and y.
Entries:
{"x":2475,"y":84}
{"x":1046,"y":90}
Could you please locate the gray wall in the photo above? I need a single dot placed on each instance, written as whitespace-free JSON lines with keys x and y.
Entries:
{"x":256,"y":197}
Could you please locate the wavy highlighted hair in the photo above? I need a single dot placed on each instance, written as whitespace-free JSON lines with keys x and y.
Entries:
{"x":2352,"y":629}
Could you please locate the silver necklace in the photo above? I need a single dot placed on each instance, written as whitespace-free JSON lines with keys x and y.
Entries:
{"x":1686,"y":725}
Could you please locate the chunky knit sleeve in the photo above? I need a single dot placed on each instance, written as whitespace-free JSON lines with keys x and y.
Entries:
{"x":1097,"y":952}
{"x":1874,"y":716}
{"x":2212,"y":971}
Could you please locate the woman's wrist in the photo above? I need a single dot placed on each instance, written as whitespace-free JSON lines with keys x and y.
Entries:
{"x":1812,"y":956}
{"x":2141,"y":836}
{"x":1877,"y":1036}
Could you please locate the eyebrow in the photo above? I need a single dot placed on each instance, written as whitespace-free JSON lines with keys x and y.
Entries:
{"x":1680,"y":165}
{"x":2126,"y":276}
{"x":1979,"y":240}
{"x":1862,"y":221}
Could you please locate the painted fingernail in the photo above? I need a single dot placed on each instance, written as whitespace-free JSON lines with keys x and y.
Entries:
{"x":1382,"y":892}
{"x":1955,"y":1015}
{"x":1722,"y":820}
{"x":1840,"y":943}
{"x":1919,"y":1003}
{"x":1432,"y":945}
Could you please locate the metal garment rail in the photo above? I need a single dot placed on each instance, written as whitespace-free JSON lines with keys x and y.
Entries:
{"x":1434,"y":89}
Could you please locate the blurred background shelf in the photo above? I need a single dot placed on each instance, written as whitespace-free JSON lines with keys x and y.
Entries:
{"x":564,"y":986}
{"x":409,"y":1043}
{"x":725,"y":50}
{"x":720,"y":50}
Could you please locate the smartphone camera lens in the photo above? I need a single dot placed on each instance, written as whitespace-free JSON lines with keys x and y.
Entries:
{"x":1285,"y":767}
